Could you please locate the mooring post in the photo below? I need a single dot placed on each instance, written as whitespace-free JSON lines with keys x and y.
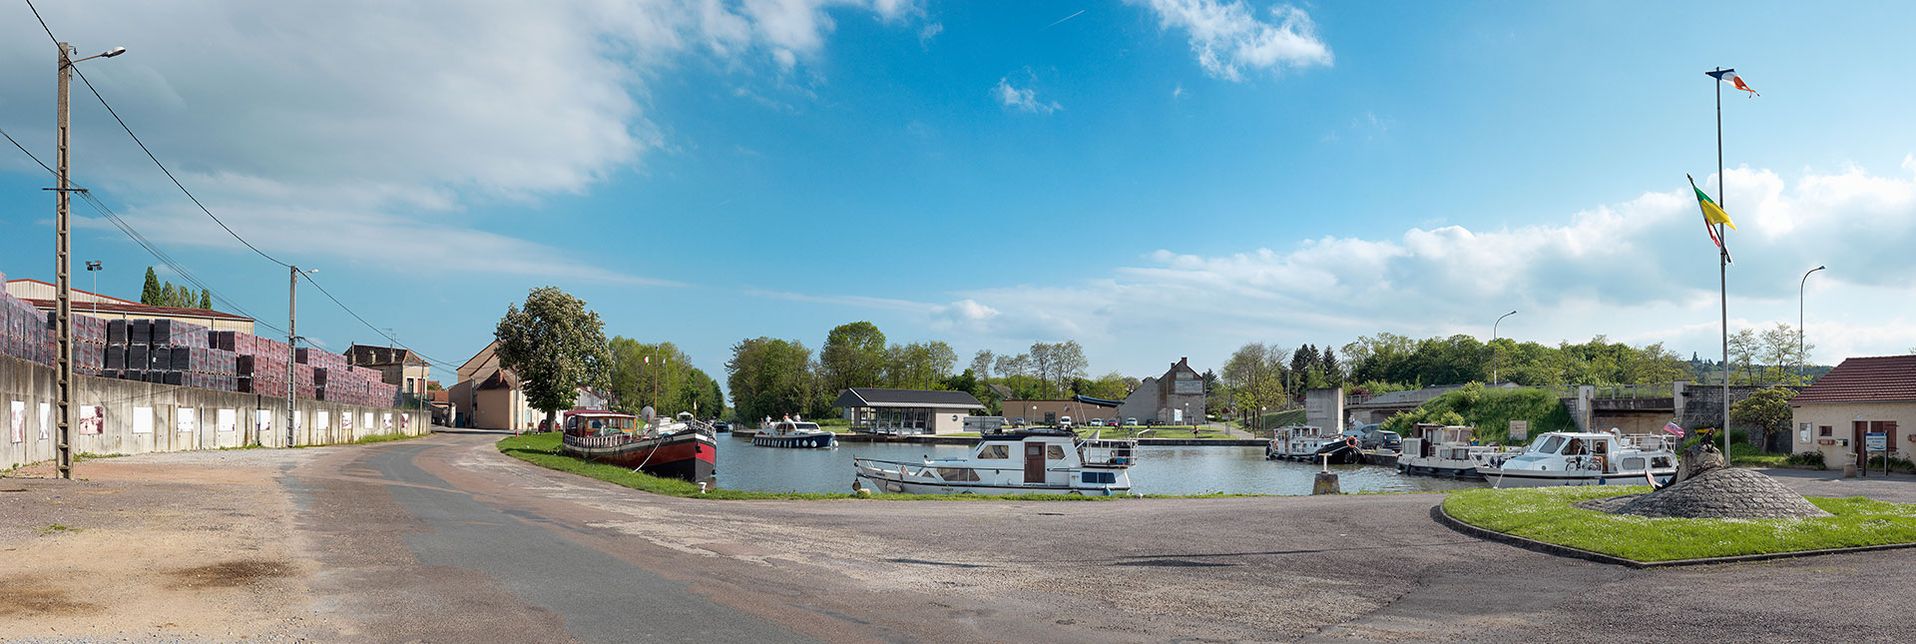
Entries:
{"x":1326,"y":482}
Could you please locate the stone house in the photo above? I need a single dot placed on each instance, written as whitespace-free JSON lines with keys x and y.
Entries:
{"x":1174,"y":398}
{"x":1859,"y":396}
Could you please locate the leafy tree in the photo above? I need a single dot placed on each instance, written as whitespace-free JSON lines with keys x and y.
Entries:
{"x":1255,"y":376}
{"x":150,"y":292}
{"x":854,"y":356}
{"x":1068,"y":361}
{"x":1744,"y":347}
{"x":1490,"y":410}
{"x":662,"y":376}
{"x":555,"y":345}
{"x":206,"y":300}
{"x":1110,"y":386}
{"x":981,"y":364}
{"x":770,"y":377}
{"x":1767,"y":409}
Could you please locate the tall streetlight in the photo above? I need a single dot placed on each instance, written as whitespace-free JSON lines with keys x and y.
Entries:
{"x":1493,"y":344}
{"x":1802,"y":372}
{"x":93,"y":269}
{"x":62,"y":253}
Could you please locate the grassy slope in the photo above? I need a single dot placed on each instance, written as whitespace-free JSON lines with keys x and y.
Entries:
{"x":543,"y":450}
{"x":1547,"y":514}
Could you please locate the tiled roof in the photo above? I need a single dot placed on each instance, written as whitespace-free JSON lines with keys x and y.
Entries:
{"x":139,"y":309}
{"x":1877,"y":379}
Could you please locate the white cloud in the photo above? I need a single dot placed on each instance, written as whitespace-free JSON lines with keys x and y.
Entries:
{"x":1023,"y":100}
{"x":1639,"y":271}
{"x":387,"y":119}
{"x":929,"y":32}
{"x":1230,"y":38}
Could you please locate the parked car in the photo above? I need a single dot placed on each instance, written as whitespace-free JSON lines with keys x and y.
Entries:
{"x":1018,"y":422}
{"x":1130,"y":422}
{"x":1064,"y":422}
{"x":1097,"y":422}
{"x":1374,"y":436}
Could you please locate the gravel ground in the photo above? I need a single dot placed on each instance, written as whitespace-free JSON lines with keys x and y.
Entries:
{"x":444,"y":539}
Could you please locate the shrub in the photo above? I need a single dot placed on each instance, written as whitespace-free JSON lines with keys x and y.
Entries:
{"x":1490,"y":411}
{"x":1896,"y":464}
{"x":1810,"y":459}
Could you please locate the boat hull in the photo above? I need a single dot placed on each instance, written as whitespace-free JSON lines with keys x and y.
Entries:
{"x":687,"y":456}
{"x":809,"y":441}
{"x":1532,"y":478}
{"x":881,"y":483}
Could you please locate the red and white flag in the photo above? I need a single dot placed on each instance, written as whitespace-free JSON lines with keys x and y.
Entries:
{"x":1673,"y":428}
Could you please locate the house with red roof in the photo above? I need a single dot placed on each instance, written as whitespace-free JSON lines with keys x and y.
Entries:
{"x":1858,"y":397}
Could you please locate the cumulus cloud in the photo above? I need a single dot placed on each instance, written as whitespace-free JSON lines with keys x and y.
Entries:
{"x":1022,"y":99}
{"x":1640,"y":270}
{"x":1230,"y":38}
{"x":394,"y":121}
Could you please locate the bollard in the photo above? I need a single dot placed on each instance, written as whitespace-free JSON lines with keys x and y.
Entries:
{"x":1326,"y":482}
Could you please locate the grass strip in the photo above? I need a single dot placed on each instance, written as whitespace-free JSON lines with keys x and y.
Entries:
{"x":1550,"y":515}
{"x":543,"y":450}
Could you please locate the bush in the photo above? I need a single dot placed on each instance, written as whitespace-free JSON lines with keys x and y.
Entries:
{"x":1813,"y":460}
{"x":1896,"y":464}
{"x":1490,"y":411}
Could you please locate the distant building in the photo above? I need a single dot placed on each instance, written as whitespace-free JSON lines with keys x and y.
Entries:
{"x":488,"y":396}
{"x":1860,"y":396}
{"x":906,"y":411}
{"x":45,"y":297}
{"x":1081,"y":409}
{"x":1174,"y":398}
{"x":397,"y":366}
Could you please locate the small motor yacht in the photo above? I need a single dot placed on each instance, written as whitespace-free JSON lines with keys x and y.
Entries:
{"x":1585,"y":458}
{"x":1445,"y":450}
{"x":794,"y":433}
{"x":1299,"y":442}
{"x":1039,"y":460}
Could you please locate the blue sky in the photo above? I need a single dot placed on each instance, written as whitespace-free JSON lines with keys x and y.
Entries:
{"x":1154,"y":179}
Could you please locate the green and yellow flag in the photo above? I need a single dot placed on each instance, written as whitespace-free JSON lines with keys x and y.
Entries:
{"x":1712,"y":213}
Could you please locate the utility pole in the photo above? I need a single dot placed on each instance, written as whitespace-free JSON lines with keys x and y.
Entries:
{"x":292,"y":352}
{"x":62,"y":251}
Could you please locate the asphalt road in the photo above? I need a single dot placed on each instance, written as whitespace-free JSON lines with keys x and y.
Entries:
{"x":445,"y":539}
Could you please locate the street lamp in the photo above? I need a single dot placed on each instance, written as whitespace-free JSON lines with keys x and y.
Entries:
{"x":1802,"y":373}
{"x":292,"y":344}
{"x":62,"y":252}
{"x":1493,"y":344}
{"x":93,"y":268}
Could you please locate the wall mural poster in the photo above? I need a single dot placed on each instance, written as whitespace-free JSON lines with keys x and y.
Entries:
{"x":46,"y":420}
{"x":405,"y":421}
{"x":18,"y":421}
{"x":346,"y":421}
{"x":323,"y":420}
{"x":228,"y":420}
{"x":262,"y":423}
{"x":189,"y":420}
{"x":142,"y":420}
{"x":386,"y":422}
{"x":94,"y":418}
{"x":368,"y":418}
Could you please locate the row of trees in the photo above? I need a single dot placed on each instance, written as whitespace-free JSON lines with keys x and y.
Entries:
{"x":155,"y":293}
{"x":856,"y":355}
{"x":1396,"y":359}
{"x":556,"y":346}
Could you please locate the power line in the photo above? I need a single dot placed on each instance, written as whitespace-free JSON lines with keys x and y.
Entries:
{"x":369,"y":325}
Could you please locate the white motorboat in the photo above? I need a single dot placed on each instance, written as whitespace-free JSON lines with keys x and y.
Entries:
{"x":1586,"y":458}
{"x":1445,"y":450}
{"x":1299,"y":442}
{"x":1022,"y":462}
{"x":794,"y":433}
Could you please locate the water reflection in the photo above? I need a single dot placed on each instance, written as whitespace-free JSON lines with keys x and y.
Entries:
{"x":1160,"y":470}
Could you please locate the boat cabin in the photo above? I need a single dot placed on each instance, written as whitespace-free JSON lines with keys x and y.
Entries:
{"x":596,"y":422}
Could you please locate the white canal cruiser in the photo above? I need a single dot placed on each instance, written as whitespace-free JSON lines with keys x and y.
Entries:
{"x":1445,"y":450}
{"x":1038,"y":460}
{"x":794,"y":433}
{"x":1299,"y":442}
{"x":1586,"y":458}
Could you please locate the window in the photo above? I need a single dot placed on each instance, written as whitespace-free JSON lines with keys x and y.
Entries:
{"x":957,"y":474}
{"x":1632,"y":464}
{"x":1550,"y":445}
{"x":1100,"y":478}
{"x":1054,"y":452}
{"x":998,"y":451}
{"x":1824,"y":430}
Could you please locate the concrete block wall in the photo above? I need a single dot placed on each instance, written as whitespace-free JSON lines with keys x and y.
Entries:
{"x":181,"y":418}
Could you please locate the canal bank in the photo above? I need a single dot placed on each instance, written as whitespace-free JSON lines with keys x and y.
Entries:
{"x":923,"y":439}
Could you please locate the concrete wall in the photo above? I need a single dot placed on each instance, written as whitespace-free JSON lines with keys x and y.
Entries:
{"x":1324,"y":408}
{"x":1840,"y":446}
{"x":181,"y":418}
{"x":1079,"y":412}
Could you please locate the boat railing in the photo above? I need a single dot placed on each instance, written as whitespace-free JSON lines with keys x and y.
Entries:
{"x":598,"y":442}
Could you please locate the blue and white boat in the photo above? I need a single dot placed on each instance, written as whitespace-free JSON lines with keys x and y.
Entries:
{"x":794,"y":433}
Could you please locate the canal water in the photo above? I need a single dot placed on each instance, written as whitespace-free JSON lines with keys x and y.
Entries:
{"x":1159,"y":470}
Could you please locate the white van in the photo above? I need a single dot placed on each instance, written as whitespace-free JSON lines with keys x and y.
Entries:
{"x":1064,"y":422}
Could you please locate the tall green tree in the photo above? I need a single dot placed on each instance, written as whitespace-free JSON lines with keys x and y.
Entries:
{"x":206,"y":300}
{"x":854,"y":355}
{"x":770,"y":377}
{"x":150,"y":292}
{"x":1767,"y":409}
{"x":661,"y":376}
{"x":555,"y":345}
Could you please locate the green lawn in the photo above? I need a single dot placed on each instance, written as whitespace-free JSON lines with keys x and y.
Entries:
{"x":543,"y":450}
{"x":1549,"y":515}
{"x":1748,"y":455}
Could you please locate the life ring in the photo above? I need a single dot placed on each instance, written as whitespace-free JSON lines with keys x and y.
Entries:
{"x":1350,"y":441}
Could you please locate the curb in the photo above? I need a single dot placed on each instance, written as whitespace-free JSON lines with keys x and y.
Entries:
{"x":1438,"y":514}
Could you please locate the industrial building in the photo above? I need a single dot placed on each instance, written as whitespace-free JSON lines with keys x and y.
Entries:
{"x":906,"y":411}
{"x":45,"y":297}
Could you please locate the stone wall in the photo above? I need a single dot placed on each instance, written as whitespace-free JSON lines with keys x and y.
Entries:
{"x":141,"y":417}
{"x":1701,"y":405}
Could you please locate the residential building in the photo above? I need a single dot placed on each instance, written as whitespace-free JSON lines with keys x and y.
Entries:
{"x":45,"y":296}
{"x":906,"y":411}
{"x":397,"y":366}
{"x":488,"y":396}
{"x":1081,"y":409}
{"x":1859,"y":396}
{"x":1174,"y":398}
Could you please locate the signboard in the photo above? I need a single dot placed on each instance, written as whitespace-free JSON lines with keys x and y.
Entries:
{"x":1177,"y":416}
{"x":93,"y":419}
{"x":1520,"y":430}
{"x":188,"y":419}
{"x":142,"y":420}
{"x":1876,"y":441}
{"x":18,"y":421}
{"x":1187,"y":386}
{"x":227,"y":420}
{"x":46,"y":419}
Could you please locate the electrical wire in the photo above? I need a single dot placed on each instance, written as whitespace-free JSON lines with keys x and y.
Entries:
{"x":369,"y":325}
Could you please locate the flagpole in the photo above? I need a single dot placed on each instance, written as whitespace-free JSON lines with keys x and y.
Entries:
{"x":1723,"y":269}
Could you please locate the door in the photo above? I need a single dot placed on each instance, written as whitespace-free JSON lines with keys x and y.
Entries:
{"x":1034,"y":462}
{"x":1860,"y":448}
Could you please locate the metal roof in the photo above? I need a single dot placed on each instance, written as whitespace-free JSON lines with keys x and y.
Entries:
{"x":876,"y":397}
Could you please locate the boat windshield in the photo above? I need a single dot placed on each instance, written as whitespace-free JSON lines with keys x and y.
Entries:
{"x":602,"y":423}
{"x":1546,"y":444}
{"x":805,"y":425}
{"x":994,"y":451}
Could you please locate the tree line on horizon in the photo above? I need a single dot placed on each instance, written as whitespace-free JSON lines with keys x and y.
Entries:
{"x":156,"y":293}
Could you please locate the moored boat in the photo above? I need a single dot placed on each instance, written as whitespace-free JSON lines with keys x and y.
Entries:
{"x":664,"y":449}
{"x":1021,"y":462}
{"x":1585,"y":458}
{"x":1441,"y":450}
{"x":1299,"y":442}
{"x":791,"y":433}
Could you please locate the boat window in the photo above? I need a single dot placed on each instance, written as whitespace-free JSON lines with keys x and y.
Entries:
{"x":1660,"y":461}
{"x":1633,"y":464}
{"x":1054,"y":452}
{"x":1100,"y":478}
{"x":998,"y":451}
{"x":957,"y":474}
{"x":807,"y":425}
{"x":1549,"y":445}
